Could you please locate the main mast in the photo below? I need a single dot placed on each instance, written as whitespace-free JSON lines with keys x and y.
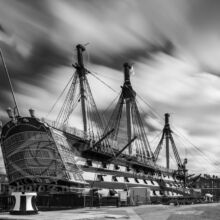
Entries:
{"x":136,"y":141}
{"x":81,"y":73}
{"x":128,"y":96}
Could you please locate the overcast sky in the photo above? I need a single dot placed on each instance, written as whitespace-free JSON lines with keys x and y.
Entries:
{"x":173,"y":44}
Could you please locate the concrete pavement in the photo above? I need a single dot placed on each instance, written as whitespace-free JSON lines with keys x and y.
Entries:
{"x":149,"y":212}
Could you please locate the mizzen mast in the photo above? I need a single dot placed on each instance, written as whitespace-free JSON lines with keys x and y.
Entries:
{"x":169,"y":141}
{"x":167,"y":132}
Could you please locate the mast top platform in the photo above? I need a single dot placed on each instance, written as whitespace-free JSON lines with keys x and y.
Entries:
{"x":127,"y":68}
{"x":80,"y":47}
{"x":128,"y":92}
{"x":167,"y":116}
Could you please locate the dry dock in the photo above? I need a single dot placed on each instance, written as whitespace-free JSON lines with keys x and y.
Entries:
{"x":150,"y":212}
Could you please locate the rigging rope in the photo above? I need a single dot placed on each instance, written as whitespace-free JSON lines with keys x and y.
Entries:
{"x":195,"y":147}
{"x":156,"y":137}
{"x":152,"y":109}
{"x":65,"y":109}
{"x":94,"y":74}
{"x":203,"y":156}
{"x":61,"y":94}
{"x":103,"y":82}
{"x":111,"y":104}
{"x":139,"y":121}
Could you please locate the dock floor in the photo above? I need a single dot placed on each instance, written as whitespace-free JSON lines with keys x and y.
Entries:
{"x":150,"y":212}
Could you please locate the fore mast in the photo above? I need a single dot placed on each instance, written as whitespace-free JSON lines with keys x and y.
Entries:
{"x":80,"y":91}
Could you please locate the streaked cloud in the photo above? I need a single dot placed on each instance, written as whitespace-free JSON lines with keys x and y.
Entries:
{"x":174,"y":46}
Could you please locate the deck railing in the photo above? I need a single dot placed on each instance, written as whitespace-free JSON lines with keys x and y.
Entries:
{"x":88,"y":136}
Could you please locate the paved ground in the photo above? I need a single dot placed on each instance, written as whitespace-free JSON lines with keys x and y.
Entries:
{"x":149,"y":212}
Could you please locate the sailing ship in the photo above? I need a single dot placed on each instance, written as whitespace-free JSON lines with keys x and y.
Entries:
{"x":109,"y":157}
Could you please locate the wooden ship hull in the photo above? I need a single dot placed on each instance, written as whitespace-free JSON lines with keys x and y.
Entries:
{"x":42,"y":158}
{"x":54,"y":158}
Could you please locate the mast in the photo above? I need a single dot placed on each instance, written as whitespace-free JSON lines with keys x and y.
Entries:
{"x":128,"y":96}
{"x":81,"y":73}
{"x":169,"y":141}
{"x":80,"y":91}
{"x":134,"y":124}
{"x":167,"y":135}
